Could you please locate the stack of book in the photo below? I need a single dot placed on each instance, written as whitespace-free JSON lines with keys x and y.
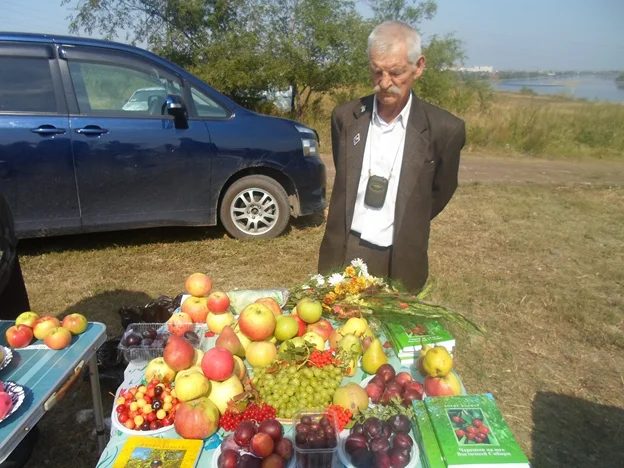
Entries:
{"x":407,"y":341}
{"x":465,"y":432}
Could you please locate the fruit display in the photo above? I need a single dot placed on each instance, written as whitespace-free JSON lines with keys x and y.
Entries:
{"x":387,"y":385}
{"x":147,"y":407}
{"x":253,"y":445}
{"x":54,"y":333}
{"x":380,"y":444}
{"x":316,"y":440}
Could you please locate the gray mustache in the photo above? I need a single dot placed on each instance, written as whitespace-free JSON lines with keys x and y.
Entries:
{"x":392,"y":90}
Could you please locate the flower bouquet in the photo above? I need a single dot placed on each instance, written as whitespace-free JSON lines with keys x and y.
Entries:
{"x":356,"y":293}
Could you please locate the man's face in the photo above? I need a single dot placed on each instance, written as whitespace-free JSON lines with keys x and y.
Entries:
{"x":393,"y":75}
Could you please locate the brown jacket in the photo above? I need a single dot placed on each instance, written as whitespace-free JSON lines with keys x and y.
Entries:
{"x":427,"y":182}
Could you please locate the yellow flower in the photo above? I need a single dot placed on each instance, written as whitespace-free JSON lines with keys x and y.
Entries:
{"x":361,"y":281}
{"x":350,"y":271}
{"x":339,"y":288}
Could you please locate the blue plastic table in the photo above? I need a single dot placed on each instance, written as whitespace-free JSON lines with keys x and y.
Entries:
{"x":42,"y":372}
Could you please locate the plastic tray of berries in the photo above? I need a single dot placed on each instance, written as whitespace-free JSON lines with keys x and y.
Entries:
{"x":148,"y":408}
{"x":316,"y":439}
{"x":253,"y":445}
{"x":146,"y":341}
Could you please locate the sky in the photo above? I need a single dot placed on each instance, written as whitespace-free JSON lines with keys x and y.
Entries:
{"x":505,"y":34}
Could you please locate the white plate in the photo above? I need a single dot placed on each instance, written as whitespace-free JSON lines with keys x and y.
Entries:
{"x":345,"y":459}
{"x":17,"y":394}
{"x":7,"y":355}
{"x":217,"y":452}
{"x":120,"y":427}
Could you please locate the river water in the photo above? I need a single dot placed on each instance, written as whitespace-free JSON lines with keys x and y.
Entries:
{"x":592,"y":88}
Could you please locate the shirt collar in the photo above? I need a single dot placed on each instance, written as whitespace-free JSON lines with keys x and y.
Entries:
{"x":402,"y":117}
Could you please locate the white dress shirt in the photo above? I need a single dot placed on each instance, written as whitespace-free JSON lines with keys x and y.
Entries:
{"x":383,"y":156}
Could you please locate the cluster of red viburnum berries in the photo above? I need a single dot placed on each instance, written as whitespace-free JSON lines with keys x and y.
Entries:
{"x":339,"y":414}
{"x":230,"y":421}
{"x":323,"y":358}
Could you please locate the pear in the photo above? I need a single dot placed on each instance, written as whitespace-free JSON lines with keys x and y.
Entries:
{"x":230,"y":341}
{"x":374,"y":357}
{"x":368,"y":333}
{"x":437,"y":362}
{"x":421,"y":358}
{"x":355,"y":325}
{"x":350,"y":343}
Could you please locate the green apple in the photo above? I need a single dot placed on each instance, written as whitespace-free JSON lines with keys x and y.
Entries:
{"x":315,"y":339}
{"x":309,"y":311}
{"x":286,"y":328}
{"x":297,"y":342}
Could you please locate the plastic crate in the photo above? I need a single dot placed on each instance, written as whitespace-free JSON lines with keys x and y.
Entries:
{"x":143,"y":352}
{"x":315,"y":457}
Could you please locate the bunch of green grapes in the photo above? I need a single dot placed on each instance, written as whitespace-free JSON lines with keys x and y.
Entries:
{"x":291,"y":389}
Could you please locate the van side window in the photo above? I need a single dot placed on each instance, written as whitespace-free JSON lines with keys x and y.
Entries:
{"x":205,"y":106}
{"x":26,"y":85}
{"x":107,"y":89}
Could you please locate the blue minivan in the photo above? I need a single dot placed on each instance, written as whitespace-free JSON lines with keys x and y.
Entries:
{"x":100,"y":136}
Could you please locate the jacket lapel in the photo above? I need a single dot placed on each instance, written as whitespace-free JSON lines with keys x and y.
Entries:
{"x":414,"y":154}
{"x":357,"y":133}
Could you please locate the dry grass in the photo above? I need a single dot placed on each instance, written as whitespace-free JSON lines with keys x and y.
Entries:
{"x":539,"y":266}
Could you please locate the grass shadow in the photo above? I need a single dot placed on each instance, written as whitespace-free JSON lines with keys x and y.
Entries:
{"x":125,"y":238}
{"x":570,"y":431}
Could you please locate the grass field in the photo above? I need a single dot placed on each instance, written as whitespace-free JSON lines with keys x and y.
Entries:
{"x":540,"y":266}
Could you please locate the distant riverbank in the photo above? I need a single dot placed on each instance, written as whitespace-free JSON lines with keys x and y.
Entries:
{"x":590,"y":88}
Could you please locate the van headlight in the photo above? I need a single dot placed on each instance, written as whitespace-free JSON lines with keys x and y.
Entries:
{"x":310,"y":147}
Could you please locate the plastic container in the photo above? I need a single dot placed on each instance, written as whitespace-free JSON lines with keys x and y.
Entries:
{"x":315,"y":457}
{"x":147,"y":350}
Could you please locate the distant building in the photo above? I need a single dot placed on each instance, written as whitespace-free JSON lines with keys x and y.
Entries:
{"x":478,"y":69}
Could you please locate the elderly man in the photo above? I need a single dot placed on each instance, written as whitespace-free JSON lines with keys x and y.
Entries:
{"x":396,"y":160}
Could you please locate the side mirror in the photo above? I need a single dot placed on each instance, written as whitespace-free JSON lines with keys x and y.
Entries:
{"x":177,"y":109}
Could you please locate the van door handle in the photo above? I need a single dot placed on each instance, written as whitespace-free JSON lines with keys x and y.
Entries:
{"x":48,"y":130}
{"x":92,"y":130}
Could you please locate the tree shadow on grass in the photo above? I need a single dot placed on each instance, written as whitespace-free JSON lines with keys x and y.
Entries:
{"x":571,"y":432}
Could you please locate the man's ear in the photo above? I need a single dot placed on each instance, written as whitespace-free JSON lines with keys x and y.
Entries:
{"x":420,"y":66}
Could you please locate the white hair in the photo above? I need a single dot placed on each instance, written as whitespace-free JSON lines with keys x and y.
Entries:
{"x":385,"y":37}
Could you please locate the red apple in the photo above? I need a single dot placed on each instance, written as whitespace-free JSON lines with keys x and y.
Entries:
{"x":179,"y":354}
{"x":218,"y":364}
{"x":27,"y":318}
{"x":57,"y":338}
{"x":218,"y":302}
{"x":323,"y":328}
{"x":448,"y":385}
{"x":19,"y":336}
{"x":257,"y":322}
{"x":180,"y":323}
{"x":198,"y":284}
{"x":196,"y":308}
{"x":44,"y":325}
{"x":302,"y":325}
{"x":75,"y":323}
{"x":197,"y":419}
{"x":271,"y":304}
{"x":261,"y":445}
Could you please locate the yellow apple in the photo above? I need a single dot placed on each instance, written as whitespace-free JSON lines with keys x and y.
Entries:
{"x":217,"y":322}
{"x":27,"y":318}
{"x":190,"y":384}
{"x":315,"y":339}
{"x":261,"y":353}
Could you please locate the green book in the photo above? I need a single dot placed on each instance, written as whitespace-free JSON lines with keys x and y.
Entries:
{"x":472,"y":433}
{"x":430,"y":454}
{"x":410,"y":339}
